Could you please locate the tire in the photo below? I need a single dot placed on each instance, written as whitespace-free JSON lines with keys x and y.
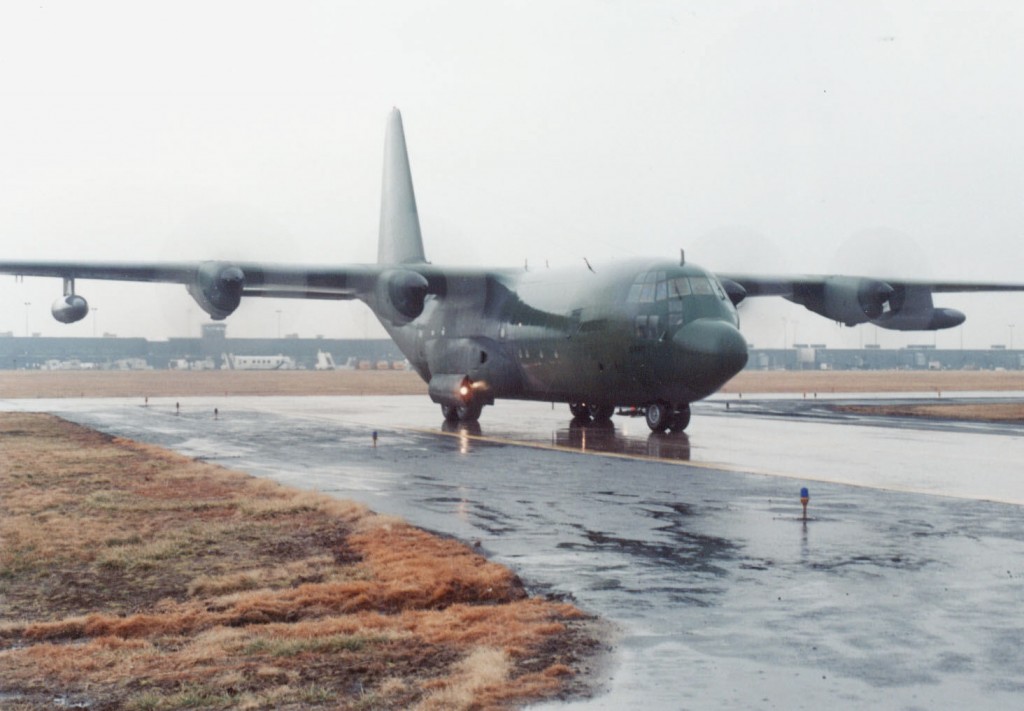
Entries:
{"x":450,"y":413}
{"x":579,"y":410}
{"x":657,"y":415}
{"x":602,"y":413}
{"x":470,"y":412}
{"x":680,"y":419}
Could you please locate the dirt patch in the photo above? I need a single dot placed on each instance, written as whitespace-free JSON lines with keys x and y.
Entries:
{"x":132,"y":577}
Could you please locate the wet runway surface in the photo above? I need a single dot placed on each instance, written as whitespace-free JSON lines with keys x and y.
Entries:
{"x":890,"y":596}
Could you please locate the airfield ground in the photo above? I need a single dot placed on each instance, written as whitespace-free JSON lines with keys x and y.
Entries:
{"x":175,"y":383}
{"x":164,"y":383}
{"x":132,"y":577}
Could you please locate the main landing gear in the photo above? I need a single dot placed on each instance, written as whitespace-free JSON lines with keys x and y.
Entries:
{"x":584,"y":411}
{"x":661,"y":416}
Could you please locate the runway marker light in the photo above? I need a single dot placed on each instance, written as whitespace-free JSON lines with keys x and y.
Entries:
{"x":805,"y":497}
{"x":375,"y":439}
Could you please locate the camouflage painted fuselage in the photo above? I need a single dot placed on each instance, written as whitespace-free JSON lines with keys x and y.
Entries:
{"x":625,"y":335}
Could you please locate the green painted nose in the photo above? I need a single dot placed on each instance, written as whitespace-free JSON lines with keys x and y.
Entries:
{"x":710,"y":352}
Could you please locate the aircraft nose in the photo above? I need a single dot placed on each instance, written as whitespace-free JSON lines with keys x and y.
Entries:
{"x":710,"y":351}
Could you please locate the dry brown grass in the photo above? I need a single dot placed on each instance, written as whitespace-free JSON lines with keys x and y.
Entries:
{"x":156,"y":383}
{"x":176,"y":383}
{"x":131,"y":577}
{"x":854,"y":381}
{"x":1008,"y":412}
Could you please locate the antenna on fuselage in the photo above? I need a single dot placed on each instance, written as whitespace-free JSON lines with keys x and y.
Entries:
{"x":588,"y":265}
{"x":682,"y":257}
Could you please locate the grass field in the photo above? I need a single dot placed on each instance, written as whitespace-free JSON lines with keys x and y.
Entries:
{"x":168,"y":383}
{"x":1008,"y":412}
{"x":186,"y":383}
{"x":132,"y":577}
{"x":860,"y":381}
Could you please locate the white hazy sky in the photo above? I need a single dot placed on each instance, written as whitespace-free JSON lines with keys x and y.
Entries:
{"x":867,"y":137}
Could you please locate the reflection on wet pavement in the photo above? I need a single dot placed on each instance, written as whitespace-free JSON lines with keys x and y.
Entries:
{"x":588,"y":436}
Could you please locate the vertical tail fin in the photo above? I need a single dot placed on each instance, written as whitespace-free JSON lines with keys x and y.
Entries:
{"x":400,"y":240}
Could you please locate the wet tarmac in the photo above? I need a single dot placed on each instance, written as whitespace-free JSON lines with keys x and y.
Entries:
{"x":903,"y":591}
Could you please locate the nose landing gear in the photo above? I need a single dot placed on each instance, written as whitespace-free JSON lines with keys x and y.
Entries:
{"x":468,"y":412}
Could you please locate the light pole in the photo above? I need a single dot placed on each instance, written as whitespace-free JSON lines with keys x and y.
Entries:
{"x":94,"y":312}
{"x":1010,"y":326}
{"x":27,"y":304}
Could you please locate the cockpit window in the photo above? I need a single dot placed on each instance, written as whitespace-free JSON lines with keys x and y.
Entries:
{"x":679,"y":288}
{"x":719,"y":291}
{"x":701,"y":286}
{"x":651,"y":287}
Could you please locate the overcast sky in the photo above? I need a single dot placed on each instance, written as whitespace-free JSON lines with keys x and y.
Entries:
{"x":817,"y":137}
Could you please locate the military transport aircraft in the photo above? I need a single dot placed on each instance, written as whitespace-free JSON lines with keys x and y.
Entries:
{"x":648,"y":336}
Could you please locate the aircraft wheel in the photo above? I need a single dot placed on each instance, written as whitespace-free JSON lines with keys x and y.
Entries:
{"x":680,"y":419}
{"x":602,"y":413}
{"x":658,"y":414}
{"x":579,"y":410}
{"x":470,"y":412}
{"x":450,"y":412}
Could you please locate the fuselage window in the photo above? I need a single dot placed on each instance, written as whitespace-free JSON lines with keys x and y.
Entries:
{"x":647,"y":294}
{"x":641,"y":326}
{"x":652,"y":328}
{"x":647,"y":327}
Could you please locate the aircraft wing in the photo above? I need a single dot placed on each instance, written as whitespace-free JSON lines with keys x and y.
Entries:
{"x":898,"y":304}
{"x":784,"y":285}
{"x":216,"y":286}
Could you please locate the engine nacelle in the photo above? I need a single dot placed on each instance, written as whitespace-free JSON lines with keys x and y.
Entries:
{"x":70,"y":308}
{"x":400,"y":295}
{"x":913,"y":310}
{"x":217,"y":288}
{"x":924,"y":319}
{"x":850,"y":300}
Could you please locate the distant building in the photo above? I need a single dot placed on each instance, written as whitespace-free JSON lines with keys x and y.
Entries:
{"x":308,"y":353}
